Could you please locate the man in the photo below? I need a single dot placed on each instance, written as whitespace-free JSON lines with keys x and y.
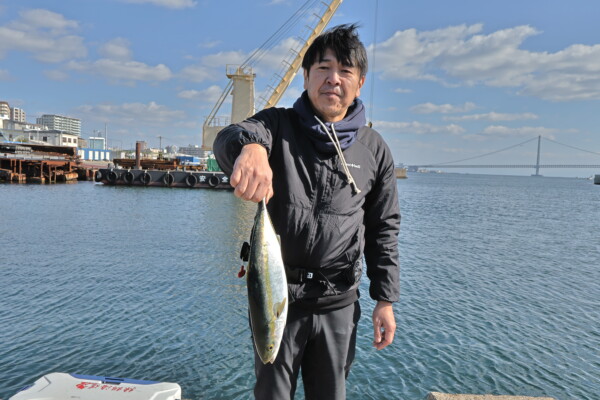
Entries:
{"x":332,"y":190}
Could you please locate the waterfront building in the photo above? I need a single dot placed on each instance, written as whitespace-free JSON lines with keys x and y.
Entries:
{"x":17,"y":114}
{"x":194,"y":150}
{"x":94,"y":154}
{"x":52,"y":137}
{"x":4,"y":110}
{"x":97,"y":143}
{"x":61,"y":123}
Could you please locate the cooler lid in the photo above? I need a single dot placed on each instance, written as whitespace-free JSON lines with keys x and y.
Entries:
{"x":62,"y":386}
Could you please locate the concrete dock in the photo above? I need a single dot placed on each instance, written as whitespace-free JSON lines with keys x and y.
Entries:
{"x":445,"y":396}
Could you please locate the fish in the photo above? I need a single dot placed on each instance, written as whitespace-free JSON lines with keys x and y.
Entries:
{"x":267,"y":287}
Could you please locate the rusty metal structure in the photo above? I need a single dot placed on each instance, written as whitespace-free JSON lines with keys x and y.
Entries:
{"x":33,"y":163}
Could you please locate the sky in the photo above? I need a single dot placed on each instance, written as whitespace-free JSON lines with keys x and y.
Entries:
{"x":447,"y":81}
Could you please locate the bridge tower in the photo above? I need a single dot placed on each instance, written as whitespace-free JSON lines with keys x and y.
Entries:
{"x":537,"y":163}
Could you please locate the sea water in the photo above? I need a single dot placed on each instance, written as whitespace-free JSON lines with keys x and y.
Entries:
{"x":500,"y":289}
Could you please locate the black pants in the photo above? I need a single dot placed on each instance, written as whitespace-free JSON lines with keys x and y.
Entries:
{"x":321,"y":344}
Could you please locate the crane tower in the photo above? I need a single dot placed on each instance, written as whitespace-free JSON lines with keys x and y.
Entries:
{"x":241,"y":80}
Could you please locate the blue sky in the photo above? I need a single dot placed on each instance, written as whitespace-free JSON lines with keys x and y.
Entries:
{"x":450,"y":80}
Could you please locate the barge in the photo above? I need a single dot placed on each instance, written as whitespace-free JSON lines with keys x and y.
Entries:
{"x":163,"y":178}
{"x":162,"y":173}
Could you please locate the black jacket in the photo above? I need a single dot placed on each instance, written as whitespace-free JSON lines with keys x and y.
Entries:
{"x":322,"y":223}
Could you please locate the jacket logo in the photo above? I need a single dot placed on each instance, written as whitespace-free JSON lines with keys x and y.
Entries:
{"x":353,"y":165}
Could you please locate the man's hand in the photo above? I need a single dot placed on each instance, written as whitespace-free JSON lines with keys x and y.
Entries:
{"x":384,"y":324}
{"x":252,"y":175}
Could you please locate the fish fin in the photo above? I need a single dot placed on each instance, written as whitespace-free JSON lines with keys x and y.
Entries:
{"x":278,"y":308}
{"x":242,"y":272}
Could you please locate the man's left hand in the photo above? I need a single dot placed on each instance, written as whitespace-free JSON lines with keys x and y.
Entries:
{"x":384,"y":324}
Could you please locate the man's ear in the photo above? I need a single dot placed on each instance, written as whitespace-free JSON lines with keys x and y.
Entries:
{"x":361,"y":82}
{"x":305,"y":74}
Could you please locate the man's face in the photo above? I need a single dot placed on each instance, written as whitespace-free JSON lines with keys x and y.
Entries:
{"x":332,"y":87}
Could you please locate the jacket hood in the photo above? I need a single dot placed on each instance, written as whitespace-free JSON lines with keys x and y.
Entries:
{"x":345,"y":129}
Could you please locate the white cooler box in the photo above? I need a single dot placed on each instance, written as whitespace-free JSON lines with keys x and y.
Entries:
{"x":60,"y":386}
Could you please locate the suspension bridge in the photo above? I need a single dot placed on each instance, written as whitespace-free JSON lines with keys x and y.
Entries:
{"x":537,"y":166}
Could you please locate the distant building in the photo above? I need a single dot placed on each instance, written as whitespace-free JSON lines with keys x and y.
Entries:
{"x":94,"y":154}
{"x":4,"y":110}
{"x":97,"y":143}
{"x":61,"y":123}
{"x":53,"y":137}
{"x":193,"y":150}
{"x":16,"y":131}
{"x":17,"y":114}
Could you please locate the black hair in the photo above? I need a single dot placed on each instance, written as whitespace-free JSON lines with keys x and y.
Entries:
{"x":344,"y":42}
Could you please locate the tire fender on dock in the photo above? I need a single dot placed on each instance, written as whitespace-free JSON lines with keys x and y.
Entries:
{"x":129,"y":177}
{"x":112,"y":177}
{"x":145,"y":178}
{"x":214,"y":181}
{"x":168,"y":179}
{"x":191,"y":180}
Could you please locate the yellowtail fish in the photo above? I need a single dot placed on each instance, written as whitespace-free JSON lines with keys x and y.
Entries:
{"x":267,"y":287}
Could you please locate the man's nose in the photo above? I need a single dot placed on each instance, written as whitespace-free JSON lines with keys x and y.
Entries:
{"x":333,"y":77}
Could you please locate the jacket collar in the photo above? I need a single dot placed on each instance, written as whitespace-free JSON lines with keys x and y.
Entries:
{"x":346,"y":129}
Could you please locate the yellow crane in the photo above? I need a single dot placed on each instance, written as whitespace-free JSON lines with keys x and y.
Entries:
{"x":241,"y":77}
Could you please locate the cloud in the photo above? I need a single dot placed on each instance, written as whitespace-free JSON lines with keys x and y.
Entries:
{"x":416,"y":127}
{"x":529,"y":131}
{"x":197,"y":73}
{"x":116,"y":49}
{"x":463,"y":55}
{"x":211,"y":67}
{"x":37,"y":19}
{"x":209,"y":95}
{"x":132,"y":114}
{"x":46,"y":35}
{"x":401,"y":90}
{"x":492,"y":116}
{"x":430,"y":108}
{"x":123,"y":71}
{"x":4,"y":75}
{"x":56,"y":75}
{"x":174,"y":4}
{"x":119,"y":67}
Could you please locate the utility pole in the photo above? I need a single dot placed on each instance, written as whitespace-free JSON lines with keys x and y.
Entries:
{"x":160,"y":152}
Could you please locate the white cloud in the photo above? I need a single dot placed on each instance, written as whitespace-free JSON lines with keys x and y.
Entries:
{"x":44,"y":34}
{"x":123,"y":71}
{"x":463,"y":55}
{"x":416,"y":127}
{"x":493,"y":116}
{"x":430,"y":108}
{"x":116,"y":49}
{"x":175,"y":4}
{"x":197,"y":73}
{"x":119,"y":67}
{"x":210,"y":45}
{"x":529,"y":131}
{"x":4,"y":75}
{"x":44,"y":19}
{"x":401,"y":90}
{"x":56,"y":75}
{"x":132,"y":114}
{"x":209,"y":95}
{"x":212,"y":66}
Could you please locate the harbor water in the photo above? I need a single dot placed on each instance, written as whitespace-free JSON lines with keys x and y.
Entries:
{"x":500,"y":289}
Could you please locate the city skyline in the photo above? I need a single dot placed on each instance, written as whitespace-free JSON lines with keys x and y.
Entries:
{"x":447,"y":81}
